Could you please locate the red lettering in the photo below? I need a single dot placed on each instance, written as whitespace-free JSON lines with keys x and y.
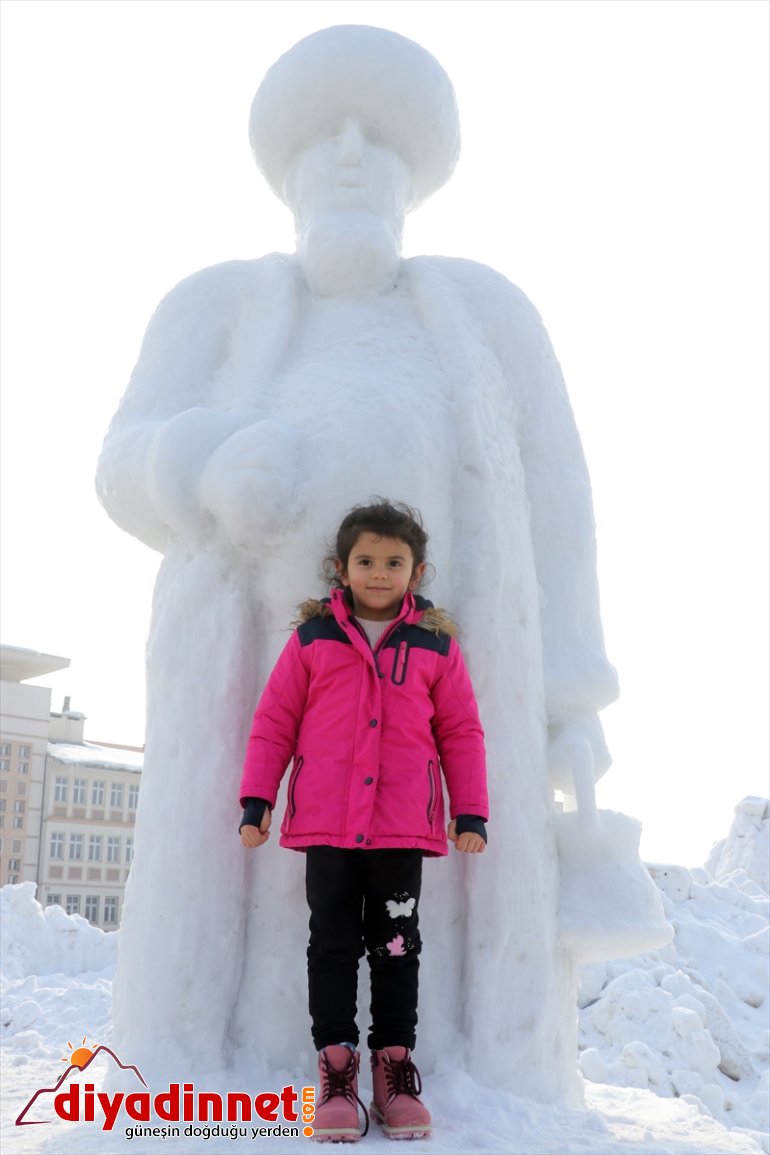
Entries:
{"x":289,"y":1099}
{"x":67,"y":1105}
{"x":267,"y":1106}
{"x":138,"y":1106}
{"x":238,"y":1099}
{"x":111,"y":1108}
{"x":169,"y":1113}
{"x":208,"y":1099}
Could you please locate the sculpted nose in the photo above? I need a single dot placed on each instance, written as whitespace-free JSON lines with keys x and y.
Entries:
{"x":350,"y":143}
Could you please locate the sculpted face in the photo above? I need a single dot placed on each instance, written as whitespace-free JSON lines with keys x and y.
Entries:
{"x":349,"y":195}
{"x":348,"y":172}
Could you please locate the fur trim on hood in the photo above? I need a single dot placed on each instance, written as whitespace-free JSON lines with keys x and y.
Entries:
{"x":435,"y":619}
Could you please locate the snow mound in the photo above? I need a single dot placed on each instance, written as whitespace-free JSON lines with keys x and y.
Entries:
{"x":690,"y":1020}
{"x":39,"y":941}
{"x":747,"y":846}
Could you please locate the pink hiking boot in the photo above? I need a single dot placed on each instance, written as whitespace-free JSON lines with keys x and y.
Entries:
{"x":336,"y":1116}
{"x":396,"y":1086}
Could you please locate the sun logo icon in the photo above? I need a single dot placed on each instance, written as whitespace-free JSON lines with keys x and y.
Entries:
{"x":80,"y":1055}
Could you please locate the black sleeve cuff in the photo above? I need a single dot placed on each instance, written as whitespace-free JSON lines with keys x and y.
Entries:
{"x":253,"y":811}
{"x":470,"y":824}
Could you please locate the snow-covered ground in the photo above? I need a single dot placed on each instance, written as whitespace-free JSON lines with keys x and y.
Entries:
{"x":674,"y":1044}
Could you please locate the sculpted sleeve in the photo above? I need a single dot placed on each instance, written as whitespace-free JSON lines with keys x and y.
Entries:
{"x":164,"y":428}
{"x":579,"y":680}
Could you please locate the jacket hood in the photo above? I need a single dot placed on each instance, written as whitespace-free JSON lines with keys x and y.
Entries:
{"x":429,"y":617}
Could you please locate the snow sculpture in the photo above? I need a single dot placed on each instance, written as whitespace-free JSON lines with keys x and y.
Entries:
{"x":271,"y":395}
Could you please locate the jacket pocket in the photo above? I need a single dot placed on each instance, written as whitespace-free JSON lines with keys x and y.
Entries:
{"x":295,"y":772}
{"x":400,"y":658}
{"x":432,"y":793}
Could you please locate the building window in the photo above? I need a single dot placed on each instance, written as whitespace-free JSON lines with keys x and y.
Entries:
{"x":21,"y":787}
{"x":76,"y":847}
{"x":13,"y":879}
{"x":3,"y":785}
{"x":5,"y":750}
{"x":73,"y":904}
{"x":5,"y":764}
{"x":92,"y":907}
{"x":133,"y":797}
{"x":53,"y":900}
{"x":18,"y":822}
{"x":79,"y":792}
{"x":23,"y":767}
{"x":14,"y":864}
{"x":95,"y":849}
{"x":60,"y":790}
{"x":116,"y":796}
{"x":2,"y":804}
{"x":129,"y":850}
{"x":110,"y":911}
{"x":113,"y":848}
{"x":56,"y":849}
{"x":20,"y":807}
{"x":97,"y":794}
{"x":16,"y":846}
{"x":24,"y":751}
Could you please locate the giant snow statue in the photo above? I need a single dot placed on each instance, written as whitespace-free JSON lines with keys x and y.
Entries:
{"x":270,"y":396}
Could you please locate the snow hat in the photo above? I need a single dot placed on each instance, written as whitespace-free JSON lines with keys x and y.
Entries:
{"x":400,"y":93}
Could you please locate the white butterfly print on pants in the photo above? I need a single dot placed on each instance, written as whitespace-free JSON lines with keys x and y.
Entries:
{"x":400,"y":909}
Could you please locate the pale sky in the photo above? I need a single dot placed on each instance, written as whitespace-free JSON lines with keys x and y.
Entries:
{"x":614,"y":166}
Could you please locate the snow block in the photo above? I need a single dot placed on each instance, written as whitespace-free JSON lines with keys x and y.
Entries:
{"x":609,"y":905}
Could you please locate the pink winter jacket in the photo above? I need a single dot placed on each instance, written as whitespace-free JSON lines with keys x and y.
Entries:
{"x":368,"y":732}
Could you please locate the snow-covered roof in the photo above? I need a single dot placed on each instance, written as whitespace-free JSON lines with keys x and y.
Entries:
{"x":18,"y":663}
{"x":89,"y":754}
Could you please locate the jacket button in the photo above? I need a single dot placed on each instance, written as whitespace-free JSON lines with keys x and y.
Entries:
{"x":368,"y":781}
{"x":368,"y":842}
{"x":359,"y":838}
{"x":373,"y":722}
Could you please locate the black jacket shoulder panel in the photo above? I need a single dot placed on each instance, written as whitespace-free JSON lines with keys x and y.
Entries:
{"x":321,"y":629}
{"x":419,"y":639}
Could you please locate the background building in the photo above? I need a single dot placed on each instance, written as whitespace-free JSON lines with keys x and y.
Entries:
{"x":25,"y":718}
{"x":67,"y":806}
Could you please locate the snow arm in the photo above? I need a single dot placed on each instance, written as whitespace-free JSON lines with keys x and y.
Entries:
{"x":579,"y":680}
{"x":164,"y":431}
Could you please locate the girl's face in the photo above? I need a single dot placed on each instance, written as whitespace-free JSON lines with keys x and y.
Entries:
{"x":379,"y":572}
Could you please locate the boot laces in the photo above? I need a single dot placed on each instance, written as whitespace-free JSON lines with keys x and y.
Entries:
{"x":403,"y":1078}
{"x":340,"y":1083}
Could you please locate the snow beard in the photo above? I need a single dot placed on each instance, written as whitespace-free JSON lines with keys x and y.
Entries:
{"x":349,"y":253}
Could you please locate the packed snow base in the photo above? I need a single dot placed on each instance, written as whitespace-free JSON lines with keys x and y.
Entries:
{"x":673,"y":1044}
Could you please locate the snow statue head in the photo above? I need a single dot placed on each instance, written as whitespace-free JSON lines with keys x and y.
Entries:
{"x":270,"y":397}
{"x":351,"y":128}
{"x":399,"y":94}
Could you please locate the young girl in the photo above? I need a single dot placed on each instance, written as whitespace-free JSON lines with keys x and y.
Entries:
{"x":369,"y":698}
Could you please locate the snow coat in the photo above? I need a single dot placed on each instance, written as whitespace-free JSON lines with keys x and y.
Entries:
{"x":368,"y":732}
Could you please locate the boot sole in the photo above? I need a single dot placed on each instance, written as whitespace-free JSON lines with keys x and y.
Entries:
{"x":419,"y":1131}
{"x":338,"y":1136}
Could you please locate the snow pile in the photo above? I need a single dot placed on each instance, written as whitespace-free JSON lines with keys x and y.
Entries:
{"x":747,"y":847}
{"x":39,"y":941}
{"x":691,"y":1020}
{"x":55,"y":979}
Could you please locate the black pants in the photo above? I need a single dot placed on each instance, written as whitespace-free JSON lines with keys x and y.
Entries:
{"x":363,"y":900}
